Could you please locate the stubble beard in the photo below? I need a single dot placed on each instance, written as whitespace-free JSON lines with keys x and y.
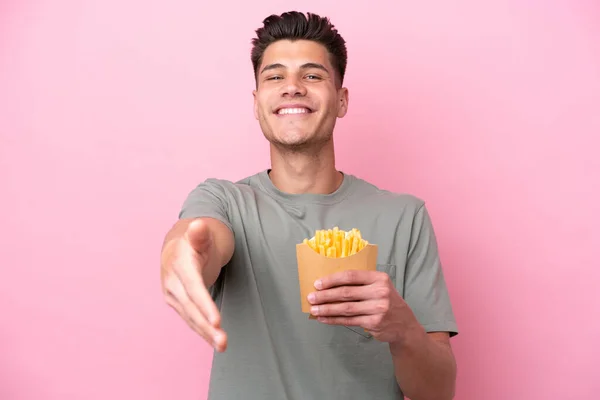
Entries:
{"x":311,"y":146}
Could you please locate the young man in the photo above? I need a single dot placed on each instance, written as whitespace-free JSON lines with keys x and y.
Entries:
{"x":229,"y":264}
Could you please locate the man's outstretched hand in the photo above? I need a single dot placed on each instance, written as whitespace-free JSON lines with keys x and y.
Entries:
{"x":185,"y":260}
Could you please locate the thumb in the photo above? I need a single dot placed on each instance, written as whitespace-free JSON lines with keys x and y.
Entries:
{"x":198,"y":235}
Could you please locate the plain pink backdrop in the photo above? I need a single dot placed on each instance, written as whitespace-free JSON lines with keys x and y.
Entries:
{"x":112,"y":111}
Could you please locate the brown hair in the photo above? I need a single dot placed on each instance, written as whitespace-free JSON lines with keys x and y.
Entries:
{"x":294,"y":25}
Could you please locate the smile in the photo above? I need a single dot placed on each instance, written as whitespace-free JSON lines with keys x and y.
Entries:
{"x":292,"y":111}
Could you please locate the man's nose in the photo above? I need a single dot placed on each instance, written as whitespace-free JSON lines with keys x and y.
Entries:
{"x":294,"y":87}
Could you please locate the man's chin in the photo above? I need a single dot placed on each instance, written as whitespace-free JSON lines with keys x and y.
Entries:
{"x":293,"y":138}
{"x":295,"y":144}
{"x":287,"y":144}
{"x":298,"y":145}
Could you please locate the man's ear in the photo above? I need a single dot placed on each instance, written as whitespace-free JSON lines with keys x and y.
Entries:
{"x":343,"y":102}
{"x":255,"y":104}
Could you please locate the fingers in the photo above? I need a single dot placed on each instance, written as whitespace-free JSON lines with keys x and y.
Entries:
{"x":341,"y":294}
{"x":184,"y":287}
{"x":214,"y":336}
{"x":186,"y":267}
{"x":196,"y":292}
{"x":349,"y":293}
{"x":177,"y":298}
{"x":350,"y":309}
{"x":349,"y":277}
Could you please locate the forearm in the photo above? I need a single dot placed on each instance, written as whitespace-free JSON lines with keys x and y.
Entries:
{"x":424,"y":367}
{"x":219,"y":253}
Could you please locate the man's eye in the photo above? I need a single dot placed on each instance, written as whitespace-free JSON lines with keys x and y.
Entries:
{"x":313,"y":77}
{"x":273,"y":78}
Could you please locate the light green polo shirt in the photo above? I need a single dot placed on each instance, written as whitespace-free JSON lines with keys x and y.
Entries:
{"x":275,"y":352}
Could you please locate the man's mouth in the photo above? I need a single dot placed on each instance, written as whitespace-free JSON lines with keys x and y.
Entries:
{"x":293,"y":111}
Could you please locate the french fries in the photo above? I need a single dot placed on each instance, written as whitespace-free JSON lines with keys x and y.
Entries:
{"x":336,"y":243}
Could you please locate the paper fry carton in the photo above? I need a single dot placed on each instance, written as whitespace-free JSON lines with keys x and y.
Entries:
{"x":313,"y":263}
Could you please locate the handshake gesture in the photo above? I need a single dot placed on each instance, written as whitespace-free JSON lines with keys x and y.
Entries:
{"x":193,"y":253}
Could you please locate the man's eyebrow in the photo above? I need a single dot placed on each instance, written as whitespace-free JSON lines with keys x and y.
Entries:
{"x":272,"y":66}
{"x":309,"y":65}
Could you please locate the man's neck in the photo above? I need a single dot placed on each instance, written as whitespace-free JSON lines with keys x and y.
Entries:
{"x":298,"y":173}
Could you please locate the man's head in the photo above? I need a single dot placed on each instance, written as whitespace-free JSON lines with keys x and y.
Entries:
{"x":299,"y":65}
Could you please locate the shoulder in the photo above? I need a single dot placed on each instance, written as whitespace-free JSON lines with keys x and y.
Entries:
{"x":384,"y":199}
{"x":217,"y":197}
{"x":227,"y":186}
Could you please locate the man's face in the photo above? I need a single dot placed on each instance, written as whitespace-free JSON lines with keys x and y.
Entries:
{"x":297,"y":100}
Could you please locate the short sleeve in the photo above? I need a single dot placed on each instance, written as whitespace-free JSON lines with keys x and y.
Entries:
{"x":208,"y":199}
{"x":425,"y":289}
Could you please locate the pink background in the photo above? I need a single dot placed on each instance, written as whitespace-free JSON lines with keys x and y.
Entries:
{"x":111,"y":111}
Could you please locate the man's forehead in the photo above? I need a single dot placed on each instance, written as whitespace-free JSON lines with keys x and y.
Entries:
{"x":295,"y":53}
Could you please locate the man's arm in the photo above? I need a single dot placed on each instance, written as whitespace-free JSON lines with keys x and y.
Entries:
{"x":193,"y":253}
{"x":425,"y":366}
{"x":424,"y":363}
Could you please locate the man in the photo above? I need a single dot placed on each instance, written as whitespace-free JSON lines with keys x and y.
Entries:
{"x":229,"y":264}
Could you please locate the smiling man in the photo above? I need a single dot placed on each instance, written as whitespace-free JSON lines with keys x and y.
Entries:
{"x":228,"y":265}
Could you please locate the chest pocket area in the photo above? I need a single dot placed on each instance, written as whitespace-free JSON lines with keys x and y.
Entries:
{"x":389,"y":269}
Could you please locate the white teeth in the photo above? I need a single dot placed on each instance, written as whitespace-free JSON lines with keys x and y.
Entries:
{"x":293,"y":111}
